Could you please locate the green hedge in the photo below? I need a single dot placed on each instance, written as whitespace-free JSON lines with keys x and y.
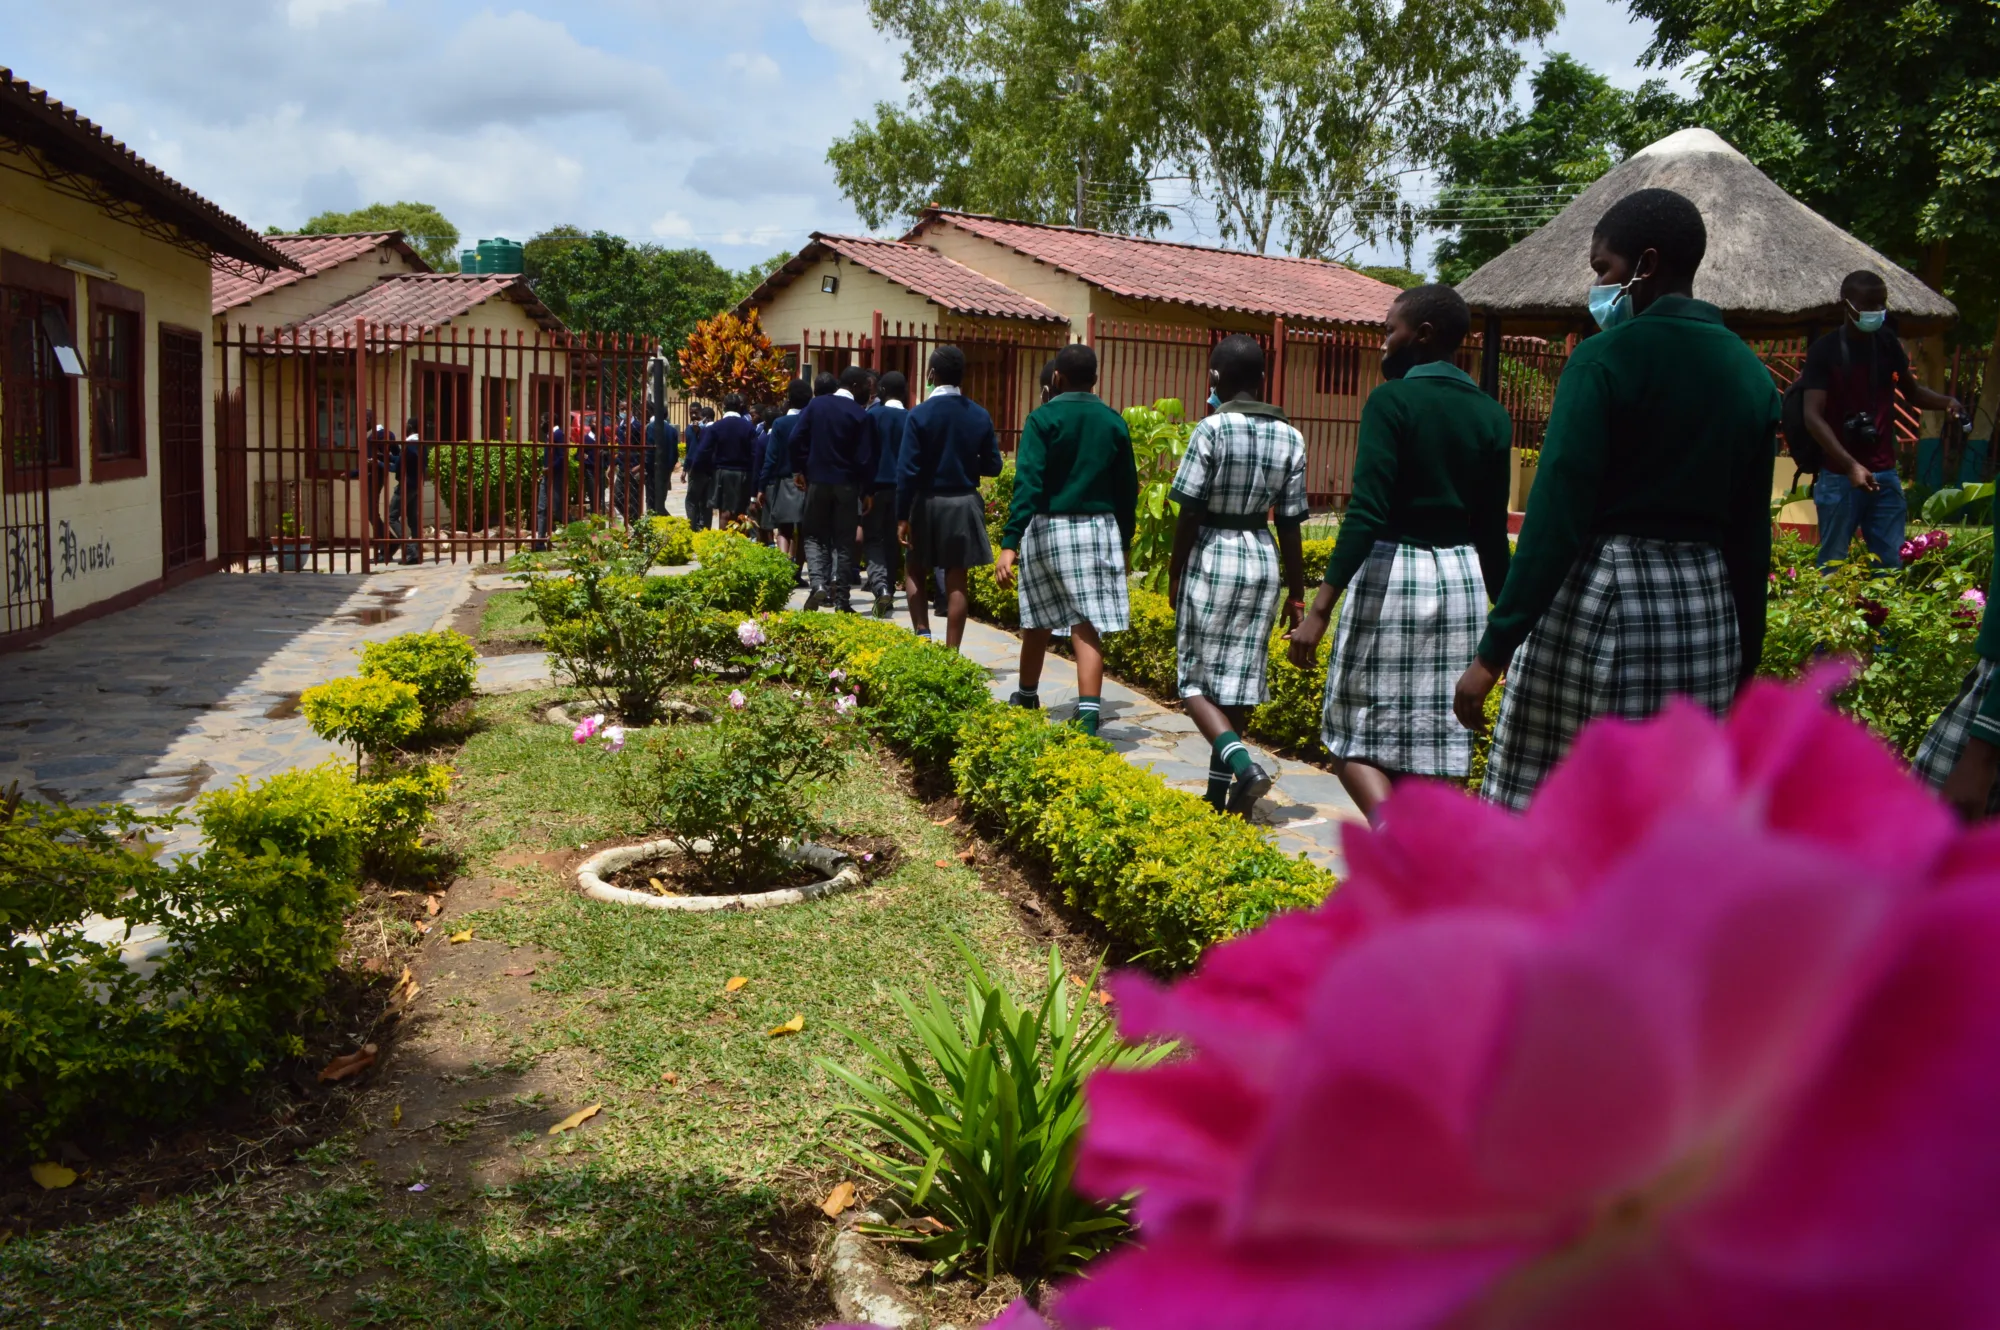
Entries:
{"x":1164,"y":872}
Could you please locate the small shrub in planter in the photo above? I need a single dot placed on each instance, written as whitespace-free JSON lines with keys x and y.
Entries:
{"x":984,"y":1110}
{"x":739,"y":575}
{"x":372,"y":713}
{"x":441,"y":666}
{"x":674,"y":539}
{"x":751,"y":787}
{"x":254,"y":931}
{"x":917,"y":695}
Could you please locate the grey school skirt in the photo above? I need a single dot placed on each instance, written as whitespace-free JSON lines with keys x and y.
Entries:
{"x":949,"y":531}
{"x":732,"y":490}
{"x":784,"y":504}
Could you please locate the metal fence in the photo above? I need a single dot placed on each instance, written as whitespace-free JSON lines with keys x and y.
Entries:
{"x":343,"y":450}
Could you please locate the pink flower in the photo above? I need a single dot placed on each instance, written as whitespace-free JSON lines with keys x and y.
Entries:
{"x":587,"y":728}
{"x":1688,"y":1045}
{"x":836,"y":675}
{"x":846,"y":703}
{"x":1973,"y":596}
{"x":614,"y":737}
{"x":749,"y":633}
{"x":736,"y":699}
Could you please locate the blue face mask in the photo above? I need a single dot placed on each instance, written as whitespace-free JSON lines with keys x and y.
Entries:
{"x":1611,"y":304}
{"x":1870,"y":320}
{"x":1214,"y":402}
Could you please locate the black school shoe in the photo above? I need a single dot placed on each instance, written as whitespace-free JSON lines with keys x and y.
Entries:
{"x":885,"y":606}
{"x":1247,"y":789}
{"x":1024,"y":701}
{"x":815,"y":598}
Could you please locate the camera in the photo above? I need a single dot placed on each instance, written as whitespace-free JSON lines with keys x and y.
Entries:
{"x":1859,"y":431}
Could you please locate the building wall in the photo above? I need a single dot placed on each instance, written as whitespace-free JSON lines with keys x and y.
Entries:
{"x":803,"y":308}
{"x":106,"y":536}
{"x":1067,"y":295}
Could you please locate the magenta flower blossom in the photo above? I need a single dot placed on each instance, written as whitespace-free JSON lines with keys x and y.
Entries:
{"x":614,"y":737}
{"x":750,"y":633}
{"x":846,"y":703}
{"x":836,"y":675}
{"x":736,"y":699}
{"x":587,"y":728}
{"x":1973,"y":596}
{"x":1688,"y":1045}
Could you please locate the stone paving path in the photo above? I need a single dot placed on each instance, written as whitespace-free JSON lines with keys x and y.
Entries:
{"x":199,"y":685}
{"x":1305,"y":811}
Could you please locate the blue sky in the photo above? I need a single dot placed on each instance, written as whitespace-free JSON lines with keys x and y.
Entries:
{"x":691,"y":124}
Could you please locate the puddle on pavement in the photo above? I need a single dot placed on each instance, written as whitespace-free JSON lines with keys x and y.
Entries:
{"x":367,"y":616}
{"x":286,"y":707}
{"x":187,"y":783}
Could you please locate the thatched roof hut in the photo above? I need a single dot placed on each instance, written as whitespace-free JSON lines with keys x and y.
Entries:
{"x":1773,"y":266}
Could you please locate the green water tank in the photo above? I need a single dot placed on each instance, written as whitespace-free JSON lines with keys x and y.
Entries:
{"x":468,"y":260}
{"x":500,"y":255}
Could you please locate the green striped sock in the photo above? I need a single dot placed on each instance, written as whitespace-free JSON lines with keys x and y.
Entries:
{"x":1087,"y":709}
{"x":1233,"y":752}
{"x":1219,"y":777}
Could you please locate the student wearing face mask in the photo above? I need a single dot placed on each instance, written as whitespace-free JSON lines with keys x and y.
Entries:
{"x":1640,"y":572}
{"x":1421,"y":547}
{"x":1850,"y":381}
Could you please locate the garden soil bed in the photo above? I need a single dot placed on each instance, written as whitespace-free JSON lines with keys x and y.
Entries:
{"x":876,"y":855}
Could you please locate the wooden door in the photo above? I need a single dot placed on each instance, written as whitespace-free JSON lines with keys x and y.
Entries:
{"x":183,"y":501}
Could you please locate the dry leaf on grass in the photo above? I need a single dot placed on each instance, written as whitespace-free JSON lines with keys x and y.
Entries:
{"x":51,"y":1176}
{"x":967,"y":856}
{"x":465,"y":936}
{"x":792,"y":1026}
{"x":423,"y":929}
{"x":575,"y":1119}
{"x":519,"y":972}
{"x":944,"y":863}
{"x":734,"y":984}
{"x":925,"y":1224}
{"x":671,"y":1077}
{"x":432,"y":904}
{"x":1103,"y":998}
{"x":348,"y":1064}
{"x":404,"y":993}
{"x":396,"y":1116}
{"x":376,"y":965}
{"x":837,"y":1200}
{"x":944,"y":821}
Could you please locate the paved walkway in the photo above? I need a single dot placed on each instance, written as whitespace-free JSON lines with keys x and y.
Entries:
{"x":198,"y":686}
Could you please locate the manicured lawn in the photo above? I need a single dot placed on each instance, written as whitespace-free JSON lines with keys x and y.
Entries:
{"x":508,"y":618}
{"x":690,"y":1199}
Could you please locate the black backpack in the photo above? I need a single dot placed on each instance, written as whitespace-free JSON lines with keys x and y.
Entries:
{"x":1807,"y":455}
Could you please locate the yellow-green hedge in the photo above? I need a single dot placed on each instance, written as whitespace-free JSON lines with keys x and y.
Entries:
{"x":1164,"y":872}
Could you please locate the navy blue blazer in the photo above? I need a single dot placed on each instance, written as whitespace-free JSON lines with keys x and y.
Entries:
{"x":834,"y":443}
{"x":888,"y":442}
{"x":730,"y":443}
{"x":948,"y":444}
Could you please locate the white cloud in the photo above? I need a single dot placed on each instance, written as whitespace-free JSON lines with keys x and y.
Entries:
{"x":868,"y":60}
{"x":672,"y":226}
{"x":308,"y":13}
{"x":753,"y":66}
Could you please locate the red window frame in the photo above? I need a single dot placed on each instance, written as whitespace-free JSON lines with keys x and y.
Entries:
{"x":40,"y":284}
{"x":111,"y":384}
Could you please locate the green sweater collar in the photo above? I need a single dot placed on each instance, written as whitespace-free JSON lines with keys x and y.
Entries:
{"x":1246,"y":408}
{"x":1072,"y":397}
{"x":1683,"y":307}
{"x":1440,"y":369}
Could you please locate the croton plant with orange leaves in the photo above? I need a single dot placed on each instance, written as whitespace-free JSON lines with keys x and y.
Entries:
{"x":726,"y":355}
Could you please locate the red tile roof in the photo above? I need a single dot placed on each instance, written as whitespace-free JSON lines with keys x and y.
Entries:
{"x":78,"y":147}
{"x":313,"y":254}
{"x":1269,"y":285}
{"x":423,"y":301}
{"x":943,"y":281}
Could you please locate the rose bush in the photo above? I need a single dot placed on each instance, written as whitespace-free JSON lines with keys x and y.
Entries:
{"x":1688,"y":1045}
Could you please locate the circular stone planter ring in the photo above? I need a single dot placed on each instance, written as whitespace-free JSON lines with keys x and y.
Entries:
{"x":842,"y":874}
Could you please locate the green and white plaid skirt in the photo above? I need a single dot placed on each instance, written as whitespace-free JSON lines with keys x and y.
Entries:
{"x":1944,"y":742}
{"x":1229,"y":600}
{"x":1635,"y":623}
{"x":1073,"y":571}
{"x":1408,"y":628}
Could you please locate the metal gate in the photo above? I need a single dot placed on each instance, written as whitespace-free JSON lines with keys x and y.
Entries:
{"x":341,"y":451}
{"x":37,"y":424}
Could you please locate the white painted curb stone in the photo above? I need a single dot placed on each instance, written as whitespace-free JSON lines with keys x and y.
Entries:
{"x":590,"y":879}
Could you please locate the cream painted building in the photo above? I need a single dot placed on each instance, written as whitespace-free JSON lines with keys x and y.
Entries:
{"x":106,"y":487}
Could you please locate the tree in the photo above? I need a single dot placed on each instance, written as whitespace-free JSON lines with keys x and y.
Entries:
{"x":545,"y":245}
{"x":605,"y":283}
{"x":753,"y":276}
{"x":1498,"y":187}
{"x":1882,"y":115}
{"x":1394,"y":276}
{"x":1299,"y":118}
{"x":726,"y":355}
{"x":1013,"y":114}
{"x":427,"y":230}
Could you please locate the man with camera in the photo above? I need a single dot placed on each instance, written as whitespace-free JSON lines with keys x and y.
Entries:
{"x":1850,"y":382}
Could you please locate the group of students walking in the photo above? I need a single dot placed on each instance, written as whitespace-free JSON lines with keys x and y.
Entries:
{"x":1640,"y":573}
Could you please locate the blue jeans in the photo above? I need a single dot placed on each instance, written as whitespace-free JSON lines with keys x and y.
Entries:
{"x":1843,"y":509}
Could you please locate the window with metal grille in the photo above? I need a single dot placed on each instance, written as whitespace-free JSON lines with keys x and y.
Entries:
{"x":40,"y":399}
{"x":117,"y":416}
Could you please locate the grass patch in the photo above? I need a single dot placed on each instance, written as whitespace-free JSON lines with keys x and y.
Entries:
{"x":509,"y":616}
